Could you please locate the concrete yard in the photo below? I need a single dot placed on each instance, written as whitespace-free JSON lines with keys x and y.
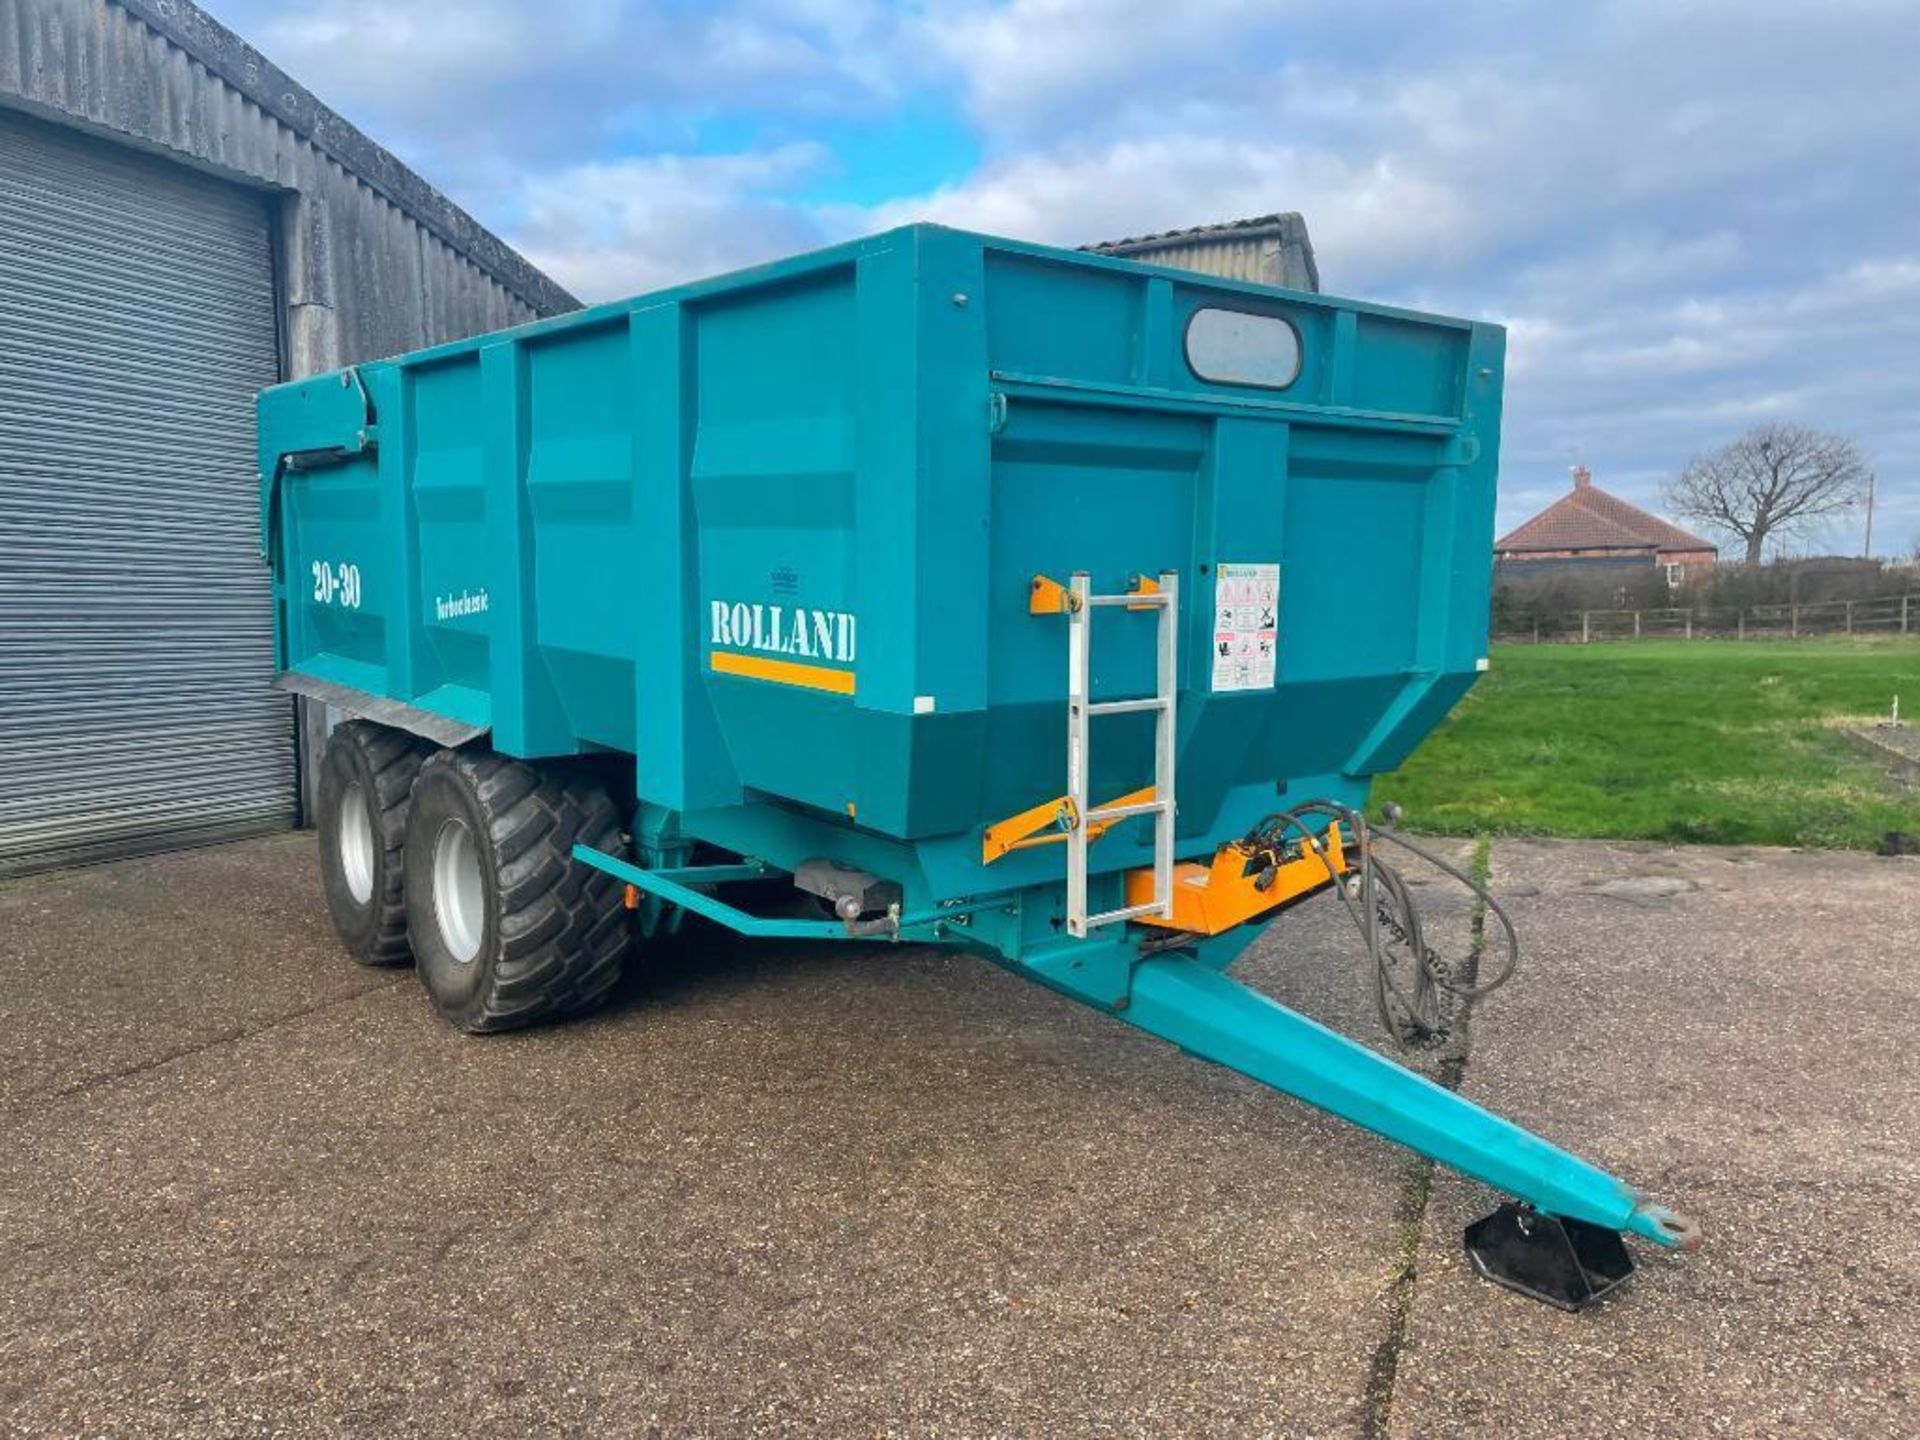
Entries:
{"x":249,"y":1188}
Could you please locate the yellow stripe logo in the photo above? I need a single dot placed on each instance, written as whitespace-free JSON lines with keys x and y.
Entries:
{"x":782,"y":672}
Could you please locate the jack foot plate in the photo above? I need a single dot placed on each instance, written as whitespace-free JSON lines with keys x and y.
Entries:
{"x":1567,"y":1263}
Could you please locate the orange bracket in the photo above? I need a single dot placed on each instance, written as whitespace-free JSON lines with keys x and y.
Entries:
{"x":1056,"y":818}
{"x":1208,"y":899}
{"x":1049,"y":597}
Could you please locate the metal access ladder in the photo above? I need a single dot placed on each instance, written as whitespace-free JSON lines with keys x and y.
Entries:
{"x":1163,"y":596}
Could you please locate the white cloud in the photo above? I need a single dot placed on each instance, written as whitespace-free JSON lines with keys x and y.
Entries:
{"x":614,"y":228}
{"x":1033,"y":62}
{"x":484,"y":95}
{"x":1374,"y":215}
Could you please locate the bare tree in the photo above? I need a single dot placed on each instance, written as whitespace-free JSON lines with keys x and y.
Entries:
{"x":1775,"y":480}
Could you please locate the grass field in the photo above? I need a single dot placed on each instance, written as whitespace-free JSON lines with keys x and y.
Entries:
{"x":1711,"y":741}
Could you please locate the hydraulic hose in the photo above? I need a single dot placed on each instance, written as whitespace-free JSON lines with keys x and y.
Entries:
{"x":1383,"y":903}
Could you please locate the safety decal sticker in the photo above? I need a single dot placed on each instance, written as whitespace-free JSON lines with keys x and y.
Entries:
{"x":1246,"y":626}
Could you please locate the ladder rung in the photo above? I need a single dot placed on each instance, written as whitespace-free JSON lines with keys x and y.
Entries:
{"x":1139,"y":600}
{"x":1122,"y":812}
{"x":1128,"y":707}
{"x":1110,"y":917}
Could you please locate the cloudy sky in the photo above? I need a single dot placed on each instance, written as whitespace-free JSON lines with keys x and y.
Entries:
{"x":1692,"y":216}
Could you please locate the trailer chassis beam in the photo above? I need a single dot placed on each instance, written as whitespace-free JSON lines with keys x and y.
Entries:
{"x":684,"y":886}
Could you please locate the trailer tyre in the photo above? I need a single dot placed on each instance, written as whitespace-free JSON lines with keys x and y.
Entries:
{"x":366,"y":779}
{"x":507,"y":928}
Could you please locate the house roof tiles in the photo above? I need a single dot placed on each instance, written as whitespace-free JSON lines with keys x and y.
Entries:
{"x":1588,"y":518}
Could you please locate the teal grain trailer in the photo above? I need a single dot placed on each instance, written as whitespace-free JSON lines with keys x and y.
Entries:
{"x":1050,"y":606}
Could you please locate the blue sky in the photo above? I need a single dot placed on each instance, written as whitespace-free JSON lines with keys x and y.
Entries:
{"x":1692,"y":216}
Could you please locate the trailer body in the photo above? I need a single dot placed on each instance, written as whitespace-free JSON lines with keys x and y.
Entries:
{"x":774,"y":537}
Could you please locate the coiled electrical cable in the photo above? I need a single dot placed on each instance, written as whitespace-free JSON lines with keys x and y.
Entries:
{"x":1415,"y":1009}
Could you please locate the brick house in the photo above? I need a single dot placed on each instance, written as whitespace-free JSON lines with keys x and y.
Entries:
{"x":1587,"y":530}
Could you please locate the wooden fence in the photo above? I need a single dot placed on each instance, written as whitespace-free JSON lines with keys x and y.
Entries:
{"x":1886,"y":615}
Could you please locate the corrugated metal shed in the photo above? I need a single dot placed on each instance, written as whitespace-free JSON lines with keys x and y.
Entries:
{"x":182,"y":223}
{"x":136,"y":308}
{"x":373,"y":260}
{"x":1267,"y":249}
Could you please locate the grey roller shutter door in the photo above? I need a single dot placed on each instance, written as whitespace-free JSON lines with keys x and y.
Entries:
{"x":137,"y":320}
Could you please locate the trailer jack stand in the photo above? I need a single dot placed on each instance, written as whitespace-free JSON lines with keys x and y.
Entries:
{"x":1567,"y":1263}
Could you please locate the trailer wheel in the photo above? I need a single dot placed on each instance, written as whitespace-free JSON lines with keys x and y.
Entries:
{"x":508,"y":929}
{"x":366,"y":778}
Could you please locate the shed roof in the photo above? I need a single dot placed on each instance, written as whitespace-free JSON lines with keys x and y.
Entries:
{"x":1288,"y":227}
{"x":244,"y":69}
{"x":1285,"y":224}
{"x":1588,"y":518}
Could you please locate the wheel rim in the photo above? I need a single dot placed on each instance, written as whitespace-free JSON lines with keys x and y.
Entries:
{"x":355,"y":844}
{"x":459,"y":898}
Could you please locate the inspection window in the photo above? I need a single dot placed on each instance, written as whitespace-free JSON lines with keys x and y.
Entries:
{"x":1237,"y":347}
